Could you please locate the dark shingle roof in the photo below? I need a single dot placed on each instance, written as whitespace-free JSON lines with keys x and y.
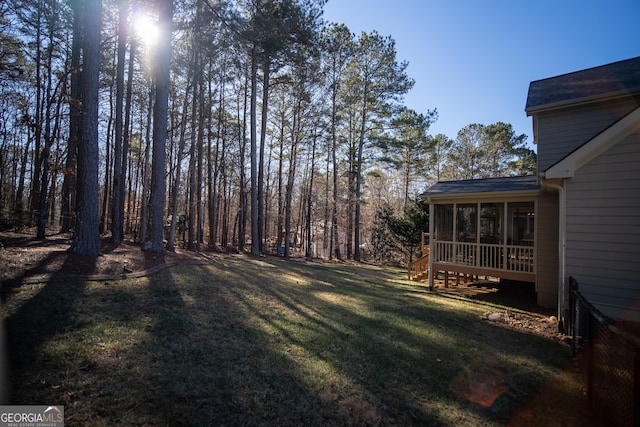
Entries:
{"x":618,"y":78}
{"x":488,"y":185}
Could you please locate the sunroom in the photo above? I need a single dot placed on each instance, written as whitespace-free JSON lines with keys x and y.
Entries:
{"x":484,"y":227}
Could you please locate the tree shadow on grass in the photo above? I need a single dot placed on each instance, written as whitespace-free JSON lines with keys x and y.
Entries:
{"x":46,"y":312}
{"x":134,"y":352}
{"x":376,"y":350}
{"x":264,"y":343}
{"x":213,"y":364}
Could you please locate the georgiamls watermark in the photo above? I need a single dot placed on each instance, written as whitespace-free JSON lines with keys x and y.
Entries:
{"x":31,"y":416}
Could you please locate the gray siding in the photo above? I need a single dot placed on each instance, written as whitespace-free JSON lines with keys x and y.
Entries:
{"x":603,"y":229}
{"x":547,"y":250}
{"x":562,"y":131}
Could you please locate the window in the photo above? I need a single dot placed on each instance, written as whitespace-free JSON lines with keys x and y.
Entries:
{"x":521,"y":223}
{"x":467,"y":223}
{"x":491,"y":223}
{"x":443,"y":222}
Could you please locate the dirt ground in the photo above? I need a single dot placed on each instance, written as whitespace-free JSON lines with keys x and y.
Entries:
{"x":25,"y":259}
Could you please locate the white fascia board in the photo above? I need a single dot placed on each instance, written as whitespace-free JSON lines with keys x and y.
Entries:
{"x":516,"y":195}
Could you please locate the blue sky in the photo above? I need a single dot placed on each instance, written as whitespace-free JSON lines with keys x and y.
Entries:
{"x":473,"y":60}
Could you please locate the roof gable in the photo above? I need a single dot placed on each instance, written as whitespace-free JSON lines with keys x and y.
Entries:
{"x":607,"y":81}
{"x":566,"y":167}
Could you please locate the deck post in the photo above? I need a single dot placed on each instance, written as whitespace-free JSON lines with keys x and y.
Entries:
{"x":431,"y":235}
{"x":505,"y":222}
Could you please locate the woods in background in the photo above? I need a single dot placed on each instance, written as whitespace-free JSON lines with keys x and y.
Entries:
{"x":231,"y":125}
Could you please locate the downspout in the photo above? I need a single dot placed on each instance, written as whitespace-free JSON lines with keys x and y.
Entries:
{"x":431,"y":228}
{"x":562,"y":243}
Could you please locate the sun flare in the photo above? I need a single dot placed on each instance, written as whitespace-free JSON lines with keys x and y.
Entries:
{"x":145,"y":28}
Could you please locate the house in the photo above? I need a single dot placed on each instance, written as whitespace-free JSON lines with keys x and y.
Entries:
{"x":579,"y":217}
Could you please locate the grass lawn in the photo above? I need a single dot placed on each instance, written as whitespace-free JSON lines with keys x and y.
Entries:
{"x":266,"y":342}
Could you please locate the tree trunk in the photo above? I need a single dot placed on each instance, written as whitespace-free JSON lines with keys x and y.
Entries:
{"x":160,"y":116}
{"x":263,"y":139}
{"x":69,"y":181}
{"x":108,"y":170}
{"x":356,"y":222}
{"x":48,"y":136}
{"x":178,"y":166}
{"x":34,"y":195}
{"x":117,"y":212}
{"x":326,"y":232}
{"x":255,"y":235}
{"x":192,"y":164}
{"x":293,"y":160}
{"x":289,"y":199}
{"x":242,"y":130}
{"x":350,"y":205}
{"x":334,"y":211}
{"x":144,"y":197}
{"x":19,"y":202}
{"x":280,"y":221}
{"x":126,"y":134}
{"x":132,"y":191}
{"x":86,"y":239}
{"x":310,"y":198}
{"x":216,"y":168}
{"x":199,"y":165}
{"x":174,"y":196}
{"x":51,"y":200}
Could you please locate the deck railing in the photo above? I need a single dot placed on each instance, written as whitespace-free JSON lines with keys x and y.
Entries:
{"x":483,"y":255}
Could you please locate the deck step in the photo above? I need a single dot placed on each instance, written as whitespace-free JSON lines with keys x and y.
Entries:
{"x":421,"y":276}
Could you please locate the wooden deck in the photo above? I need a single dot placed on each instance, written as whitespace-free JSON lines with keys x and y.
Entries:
{"x":462,"y":261}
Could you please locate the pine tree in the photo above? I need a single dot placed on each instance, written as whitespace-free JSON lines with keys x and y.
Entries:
{"x":86,"y":239}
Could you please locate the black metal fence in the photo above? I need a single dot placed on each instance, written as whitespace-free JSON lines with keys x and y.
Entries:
{"x":610,"y":357}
